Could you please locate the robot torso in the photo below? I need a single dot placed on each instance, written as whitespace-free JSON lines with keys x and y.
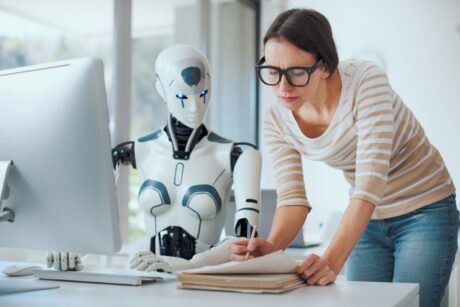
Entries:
{"x":191,"y":194}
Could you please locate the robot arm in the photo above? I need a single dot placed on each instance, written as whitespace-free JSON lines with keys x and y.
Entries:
{"x":148,"y":261}
{"x":246,"y":184}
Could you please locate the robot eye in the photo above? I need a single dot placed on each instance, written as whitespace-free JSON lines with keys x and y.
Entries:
{"x":203,"y":93}
{"x":181,"y":96}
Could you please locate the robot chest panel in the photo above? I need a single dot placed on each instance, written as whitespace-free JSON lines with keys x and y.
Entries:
{"x":197,"y":186}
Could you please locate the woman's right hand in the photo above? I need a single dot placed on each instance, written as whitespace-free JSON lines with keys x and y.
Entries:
{"x":256,"y":246}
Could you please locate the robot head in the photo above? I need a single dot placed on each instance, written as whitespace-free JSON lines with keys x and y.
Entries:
{"x":183,"y":81}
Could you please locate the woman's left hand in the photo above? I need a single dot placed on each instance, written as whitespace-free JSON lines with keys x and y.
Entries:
{"x":316,"y":271}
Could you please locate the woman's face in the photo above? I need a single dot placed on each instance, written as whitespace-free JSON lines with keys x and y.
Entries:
{"x":283,"y":54}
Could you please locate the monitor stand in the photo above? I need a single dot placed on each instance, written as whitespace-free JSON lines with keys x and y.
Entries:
{"x":6,"y":214}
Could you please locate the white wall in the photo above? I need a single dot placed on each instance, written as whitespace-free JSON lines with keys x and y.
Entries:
{"x":231,"y":57}
{"x":419,"y":44}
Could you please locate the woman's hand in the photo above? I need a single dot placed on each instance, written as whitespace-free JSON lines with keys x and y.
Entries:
{"x":256,"y":246}
{"x":316,"y":271}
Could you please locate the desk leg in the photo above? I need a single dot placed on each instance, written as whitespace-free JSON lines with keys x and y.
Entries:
{"x":454,"y":284}
{"x":6,"y":214}
{"x":415,"y":302}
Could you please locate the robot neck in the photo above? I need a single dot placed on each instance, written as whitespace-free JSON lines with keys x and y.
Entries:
{"x":182,"y":135}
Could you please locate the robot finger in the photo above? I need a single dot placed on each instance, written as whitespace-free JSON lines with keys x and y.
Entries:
{"x":78,"y":264}
{"x":72,"y":260}
{"x":159,"y":267}
{"x":141,"y":258}
{"x":143,"y":265}
{"x":49,"y":259}
{"x":142,"y":254}
{"x":152,"y":267}
{"x":57,"y":260}
{"x":64,"y":261}
{"x":149,"y":257}
{"x":134,"y":263}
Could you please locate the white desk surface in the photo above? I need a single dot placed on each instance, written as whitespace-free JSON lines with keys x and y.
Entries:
{"x":301,"y":253}
{"x":165,"y":293}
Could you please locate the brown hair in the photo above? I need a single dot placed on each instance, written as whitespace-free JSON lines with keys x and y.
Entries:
{"x":308,"y":30}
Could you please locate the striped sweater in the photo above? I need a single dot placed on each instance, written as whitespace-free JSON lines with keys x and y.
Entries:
{"x":373,"y":138}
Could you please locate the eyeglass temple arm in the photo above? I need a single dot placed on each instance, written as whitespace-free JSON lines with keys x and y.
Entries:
{"x":261,"y":61}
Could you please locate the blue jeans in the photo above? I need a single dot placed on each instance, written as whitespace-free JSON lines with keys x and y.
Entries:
{"x":417,"y":247}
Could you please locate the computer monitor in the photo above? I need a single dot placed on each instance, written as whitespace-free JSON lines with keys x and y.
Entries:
{"x":61,"y":187}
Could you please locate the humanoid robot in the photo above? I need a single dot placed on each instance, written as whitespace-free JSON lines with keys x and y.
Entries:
{"x":186,"y":172}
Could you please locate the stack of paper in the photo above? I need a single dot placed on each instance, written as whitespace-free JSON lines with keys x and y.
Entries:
{"x":273,"y":273}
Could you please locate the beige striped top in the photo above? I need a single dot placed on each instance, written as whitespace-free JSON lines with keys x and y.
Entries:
{"x":373,"y":138}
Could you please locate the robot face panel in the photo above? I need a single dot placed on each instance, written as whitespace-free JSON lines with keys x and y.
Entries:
{"x":184,"y":83}
{"x":191,"y":75}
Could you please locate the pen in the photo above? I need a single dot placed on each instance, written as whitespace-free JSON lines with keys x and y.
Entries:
{"x":253,"y":235}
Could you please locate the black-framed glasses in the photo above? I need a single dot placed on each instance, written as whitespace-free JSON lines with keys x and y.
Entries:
{"x":295,"y":76}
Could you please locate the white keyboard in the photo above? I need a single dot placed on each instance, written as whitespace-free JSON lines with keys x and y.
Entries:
{"x":105,"y":276}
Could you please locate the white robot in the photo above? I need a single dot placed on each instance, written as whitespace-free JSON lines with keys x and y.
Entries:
{"x":186,"y":173}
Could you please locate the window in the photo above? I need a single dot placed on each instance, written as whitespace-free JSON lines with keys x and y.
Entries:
{"x":155,"y":26}
{"x":33,"y":32}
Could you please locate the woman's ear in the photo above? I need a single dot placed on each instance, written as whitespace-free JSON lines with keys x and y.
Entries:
{"x":324,"y":71}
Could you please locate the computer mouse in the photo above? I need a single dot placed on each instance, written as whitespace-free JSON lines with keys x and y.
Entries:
{"x":20,"y":270}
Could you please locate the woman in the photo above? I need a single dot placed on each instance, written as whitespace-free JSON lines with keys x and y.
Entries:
{"x":401,"y":222}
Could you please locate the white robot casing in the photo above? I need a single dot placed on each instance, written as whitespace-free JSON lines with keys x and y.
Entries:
{"x":192,"y":193}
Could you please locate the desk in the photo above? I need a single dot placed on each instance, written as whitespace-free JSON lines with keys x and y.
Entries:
{"x":165,"y":293}
{"x":301,"y":253}
{"x":451,"y":296}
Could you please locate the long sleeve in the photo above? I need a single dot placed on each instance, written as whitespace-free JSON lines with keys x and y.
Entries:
{"x":373,"y":112}
{"x":287,"y":164}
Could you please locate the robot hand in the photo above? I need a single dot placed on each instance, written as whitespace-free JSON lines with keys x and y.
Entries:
{"x":64,"y":261}
{"x":148,"y":261}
